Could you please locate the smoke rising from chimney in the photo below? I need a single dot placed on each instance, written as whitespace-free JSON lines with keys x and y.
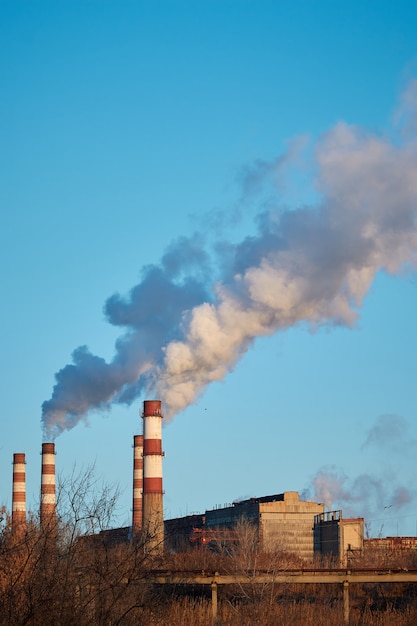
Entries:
{"x":187,"y":322}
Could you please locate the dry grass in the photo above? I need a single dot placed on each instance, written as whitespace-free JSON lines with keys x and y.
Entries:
{"x":197,"y":612}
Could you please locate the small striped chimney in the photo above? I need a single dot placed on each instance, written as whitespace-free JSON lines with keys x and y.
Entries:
{"x":153,"y":508}
{"x":48,"y":489}
{"x":137,"y":510}
{"x":19,"y":493}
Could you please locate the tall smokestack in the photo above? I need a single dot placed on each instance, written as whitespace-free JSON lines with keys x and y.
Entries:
{"x":48,"y":489}
{"x":153,"y":512}
{"x":19,"y":493}
{"x":137,"y":510}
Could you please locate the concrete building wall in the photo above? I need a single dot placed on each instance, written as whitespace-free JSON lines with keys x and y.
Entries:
{"x":227,"y":517}
{"x":287,"y":525}
{"x":338,"y":537}
{"x":179,"y":532}
{"x":352,"y":537}
{"x":327,"y":534}
{"x":283,"y":522}
{"x":329,"y":543}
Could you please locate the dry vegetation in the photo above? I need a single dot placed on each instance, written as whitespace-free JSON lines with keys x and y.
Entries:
{"x":71,"y":574}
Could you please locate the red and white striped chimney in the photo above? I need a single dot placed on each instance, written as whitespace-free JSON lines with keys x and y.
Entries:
{"x":153,"y":508}
{"x":48,"y":488}
{"x":137,"y":510}
{"x":19,"y":493}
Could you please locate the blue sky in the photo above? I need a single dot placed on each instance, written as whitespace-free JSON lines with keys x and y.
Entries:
{"x":215,"y":139}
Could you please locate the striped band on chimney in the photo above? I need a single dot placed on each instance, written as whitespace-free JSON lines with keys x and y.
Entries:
{"x":153,"y":512}
{"x":19,"y":493}
{"x":48,"y":488}
{"x":137,"y":510}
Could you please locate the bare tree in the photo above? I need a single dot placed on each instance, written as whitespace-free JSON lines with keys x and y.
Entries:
{"x":75,"y":569}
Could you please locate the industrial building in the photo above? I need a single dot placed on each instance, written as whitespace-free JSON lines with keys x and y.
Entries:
{"x":387,"y":546}
{"x":282,"y":522}
{"x":337,"y":537}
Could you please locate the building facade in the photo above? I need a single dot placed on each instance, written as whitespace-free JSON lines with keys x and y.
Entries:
{"x":283,"y":523}
{"x":338,"y":538}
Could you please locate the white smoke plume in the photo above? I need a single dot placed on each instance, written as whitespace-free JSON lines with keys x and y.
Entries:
{"x":312,"y":264}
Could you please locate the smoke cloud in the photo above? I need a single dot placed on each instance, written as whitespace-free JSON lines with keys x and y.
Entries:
{"x":376,"y":498}
{"x":391,"y":433}
{"x":192,"y":317}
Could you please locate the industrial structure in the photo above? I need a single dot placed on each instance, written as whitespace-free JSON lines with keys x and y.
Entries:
{"x":386,"y":547}
{"x":282,"y":522}
{"x":338,"y":537}
{"x":137,"y":508}
{"x":19,"y":493}
{"x":48,"y":486}
{"x":153,"y":507}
